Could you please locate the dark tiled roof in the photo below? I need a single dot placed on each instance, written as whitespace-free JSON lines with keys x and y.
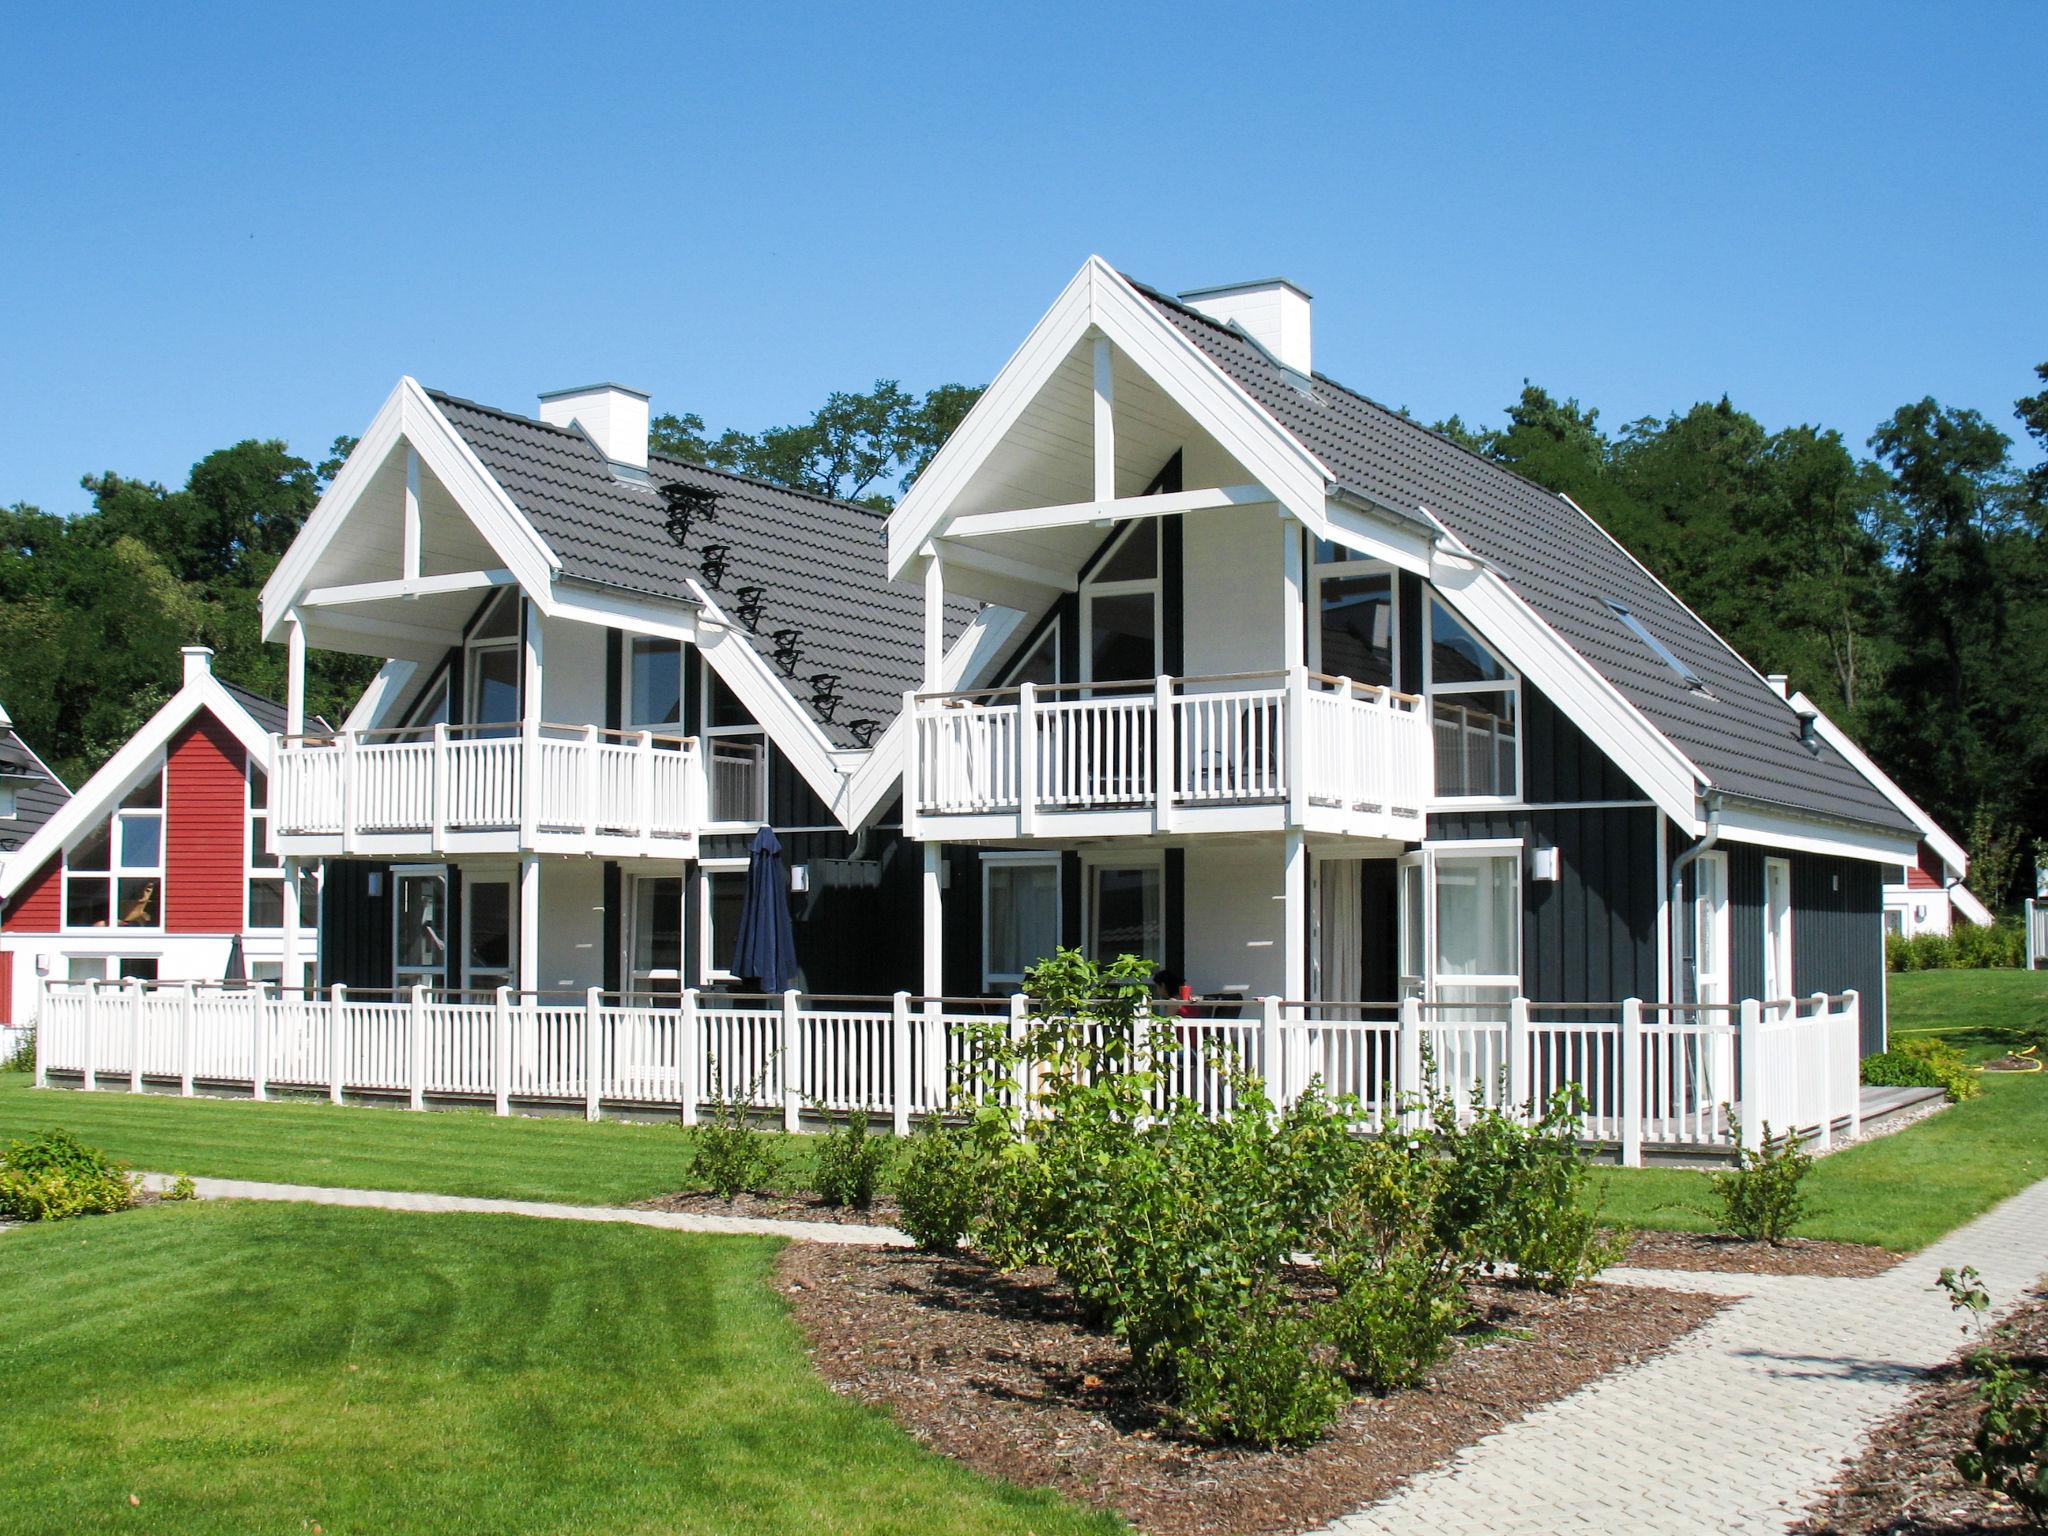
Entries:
{"x":822,"y":564}
{"x":1745,"y":738}
{"x":38,"y":794}
{"x":267,"y":713}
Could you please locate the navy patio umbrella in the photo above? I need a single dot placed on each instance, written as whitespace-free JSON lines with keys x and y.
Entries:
{"x":766,"y":951}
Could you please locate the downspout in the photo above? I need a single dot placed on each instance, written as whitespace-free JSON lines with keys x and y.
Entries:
{"x":1679,"y":866}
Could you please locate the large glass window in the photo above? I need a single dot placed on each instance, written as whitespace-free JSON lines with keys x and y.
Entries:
{"x":655,"y":944}
{"x":737,"y":750}
{"x":1479,"y":917}
{"x":421,"y":948}
{"x":1357,"y":631}
{"x":490,"y":914}
{"x":1021,"y":917}
{"x":1124,"y":912}
{"x":725,"y":896}
{"x":1120,"y":609}
{"x":1474,"y":701}
{"x":114,"y":874}
{"x":655,"y":689}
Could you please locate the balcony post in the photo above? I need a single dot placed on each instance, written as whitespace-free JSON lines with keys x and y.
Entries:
{"x":1027,"y":759}
{"x":1295,"y":723}
{"x":294,"y":675}
{"x":1351,"y":775}
{"x":437,"y":808}
{"x":589,"y":766}
{"x":529,"y":923}
{"x":531,"y":700}
{"x":643,"y":788}
{"x":1632,"y":1075}
{"x":934,"y":620}
{"x":337,"y":1040}
{"x":1166,"y":766}
{"x":1294,"y":916}
{"x":348,"y":791}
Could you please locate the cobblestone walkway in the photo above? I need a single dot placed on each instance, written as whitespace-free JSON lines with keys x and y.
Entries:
{"x":675,"y":1221}
{"x":1738,"y":1426}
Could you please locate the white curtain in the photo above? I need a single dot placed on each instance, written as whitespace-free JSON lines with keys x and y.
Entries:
{"x":1342,"y":937}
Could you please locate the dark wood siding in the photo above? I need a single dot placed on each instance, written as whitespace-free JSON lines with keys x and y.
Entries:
{"x":355,"y":927}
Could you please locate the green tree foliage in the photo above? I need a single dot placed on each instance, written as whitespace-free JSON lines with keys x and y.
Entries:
{"x":93,"y":609}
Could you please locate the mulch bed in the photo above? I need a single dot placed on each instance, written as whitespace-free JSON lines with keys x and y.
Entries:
{"x":797,"y":1207}
{"x":998,"y":1372}
{"x":2011,"y":1064}
{"x":1905,"y":1483}
{"x":1731,"y":1255}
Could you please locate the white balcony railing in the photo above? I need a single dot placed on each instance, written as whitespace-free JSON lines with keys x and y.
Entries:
{"x":1301,"y":741}
{"x":485,"y":782}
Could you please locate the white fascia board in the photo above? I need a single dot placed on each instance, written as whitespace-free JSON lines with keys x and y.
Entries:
{"x":1099,"y":299}
{"x":980,"y":646}
{"x":408,"y":415}
{"x":390,"y":688}
{"x":1385,"y":537}
{"x":1746,"y":821}
{"x":1078,"y":513}
{"x":875,"y":780}
{"x":1578,"y":688}
{"x":669,"y":618}
{"x":1966,"y":902}
{"x":100,"y":794}
{"x":1950,"y":851}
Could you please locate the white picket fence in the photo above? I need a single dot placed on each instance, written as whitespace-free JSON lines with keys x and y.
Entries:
{"x":1651,"y":1075}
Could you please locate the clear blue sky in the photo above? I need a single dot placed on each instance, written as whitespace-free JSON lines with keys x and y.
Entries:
{"x":224,"y":224}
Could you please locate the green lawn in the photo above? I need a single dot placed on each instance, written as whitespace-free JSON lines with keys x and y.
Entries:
{"x":301,"y":1142}
{"x":1905,"y":1190}
{"x":290,"y":1368}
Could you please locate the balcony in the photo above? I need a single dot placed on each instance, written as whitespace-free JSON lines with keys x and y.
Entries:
{"x":1239,"y":753}
{"x":487,"y":789}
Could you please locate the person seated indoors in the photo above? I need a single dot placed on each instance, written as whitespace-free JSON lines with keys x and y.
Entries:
{"x":1171,"y":994}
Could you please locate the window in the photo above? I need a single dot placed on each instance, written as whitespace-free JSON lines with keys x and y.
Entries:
{"x":111,"y":968}
{"x":114,"y":874}
{"x":1020,"y":923}
{"x":1474,"y":703}
{"x":725,"y":895}
{"x":490,"y":692}
{"x":1356,"y":634}
{"x":1894,"y":923}
{"x":137,"y":968}
{"x":737,"y":752}
{"x":490,"y":919}
{"x":8,"y":810}
{"x":420,"y":947}
{"x":1124,"y":904}
{"x":266,"y":872}
{"x":1636,"y":627}
{"x":1710,"y":931}
{"x":654,"y":944}
{"x":1120,"y":609}
{"x":654,"y":696}
{"x":1461,"y":923}
{"x":1777,"y":916}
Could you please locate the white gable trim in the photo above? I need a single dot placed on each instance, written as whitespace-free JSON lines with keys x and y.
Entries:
{"x":1749,"y":821}
{"x":1099,"y":299}
{"x":101,"y":793}
{"x":1947,"y":847}
{"x":410,"y":416}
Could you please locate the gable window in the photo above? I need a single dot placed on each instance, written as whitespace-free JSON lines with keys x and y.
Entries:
{"x":1020,"y":915}
{"x":1355,"y":635}
{"x":1120,"y":609}
{"x":737,"y":753}
{"x":114,"y":874}
{"x":266,"y":870}
{"x":1474,"y":702}
{"x":492,"y":663}
{"x":7,"y":805}
{"x":1041,"y":664}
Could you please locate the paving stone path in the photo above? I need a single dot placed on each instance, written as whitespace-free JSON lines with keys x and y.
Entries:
{"x":1738,"y":1426}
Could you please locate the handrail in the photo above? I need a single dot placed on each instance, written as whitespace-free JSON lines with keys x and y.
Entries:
{"x":423,"y":734}
{"x":1180,"y":684}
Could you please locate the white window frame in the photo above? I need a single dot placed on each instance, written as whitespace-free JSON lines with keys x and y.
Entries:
{"x":474,"y":650}
{"x":709,"y":966}
{"x":1432,"y":690}
{"x":116,"y":871}
{"x":1092,"y":865}
{"x":629,"y":970}
{"x":1341,"y":570}
{"x":1710,"y":916}
{"x":713,"y":734}
{"x":632,"y":642}
{"x":1092,"y":589}
{"x":1008,"y":860}
{"x":1427,"y":858}
{"x":9,"y":803}
{"x":438,"y":975}
{"x":256,"y":821}
{"x":1777,"y":935}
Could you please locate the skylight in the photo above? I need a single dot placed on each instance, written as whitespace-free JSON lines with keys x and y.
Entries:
{"x":1686,"y":675}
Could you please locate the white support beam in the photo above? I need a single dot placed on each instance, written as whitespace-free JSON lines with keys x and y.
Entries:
{"x":1105,"y":509}
{"x":934,"y":920}
{"x":989,"y":563}
{"x":1293,"y":599}
{"x":290,"y":974}
{"x":1105,"y":424}
{"x":294,"y":675}
{"x":405,"y":587}
{"x":411,"y":565}
{"x":529,"y":923}
{"x":1294,"y":906}
{"x":934,"y":621}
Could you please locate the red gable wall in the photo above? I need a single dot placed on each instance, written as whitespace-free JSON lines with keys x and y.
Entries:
{"x":205,"y":795}
{"x":38,"y":906}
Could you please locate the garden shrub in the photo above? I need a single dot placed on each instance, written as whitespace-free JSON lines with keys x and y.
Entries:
{"x":1761,"y":1198}
{"x":1256,"y":1379}
{"x":2008,"y":1451}
{"x":181,"y":1187}
{"x":55,"y":1175}
{"x":850,"y":1162}
{"x":728,"y":1154}
{"x":1968,"y":946}
{"x":939,"y":1190}
{"x":1923,"y":1063}
{"x":22,"y":1057}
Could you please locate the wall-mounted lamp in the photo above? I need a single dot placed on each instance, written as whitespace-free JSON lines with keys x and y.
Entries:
{"x":1543,"y":864}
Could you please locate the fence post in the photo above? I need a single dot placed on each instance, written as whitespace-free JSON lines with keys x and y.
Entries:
{"x":899,"y":1054}
{"x":792,"y":1098}
{"x":501,"y":1051}
{"x":92,"y":1030}
{"x":934,"y":1061}
{"x":593,"y":1050}
{"x":187,"y":1005}
{"x":437,"y":790}
{"x":1519,"y":1092}
{"x":1631,"y":1082}
{"x":1824,"y":1025}
{"x":1165,"y":763}
{"x":1749,"y":1072}
{"x":1409,"y":1087}
{"x":135,"y":1034}
{"x":416,"y":1054}
{"x":43,"y":1034}
{"x":689,"y":1056}
{"x":1019,"y":1027}
{"x":259,"y":1040}
{"x":337,"y":1040}
{"x":1852,"y":1005}
{"x":1272,"y":1053}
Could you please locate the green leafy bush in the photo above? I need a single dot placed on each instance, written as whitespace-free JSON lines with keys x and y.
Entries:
{"x":1923,"y":1063}
{"x":22,"y":1058}
{"x":939,"y":1191}
{"x":181,"y":1188}
{"x":1968,"y":946}
{"x":728,"y":1155}
{"x":1257,"y":1380}
{"x":850,"y":1163}
{"x":55,"y":1175}
{"x":2008,"y":1451}
{"x":1761,"y":1197}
